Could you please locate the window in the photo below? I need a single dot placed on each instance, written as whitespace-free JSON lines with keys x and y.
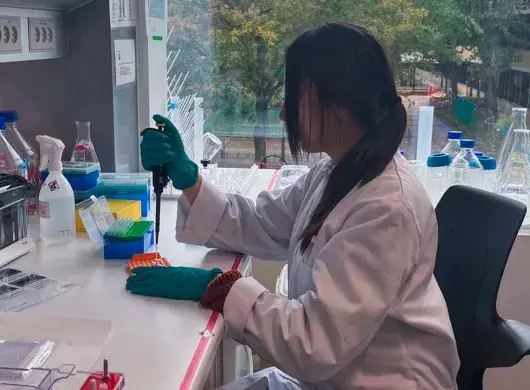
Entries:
{"x":467,"y":59}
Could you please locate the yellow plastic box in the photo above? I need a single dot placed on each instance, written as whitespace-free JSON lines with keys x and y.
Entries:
{"x":120,"y":209}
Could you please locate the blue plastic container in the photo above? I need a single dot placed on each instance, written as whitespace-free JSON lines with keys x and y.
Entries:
{"x":116,"y":249}
{"x":145,"y":199}
{"x":81,"y":176}
{"x":82,"y":182}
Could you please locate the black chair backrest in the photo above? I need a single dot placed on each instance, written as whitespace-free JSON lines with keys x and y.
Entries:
{"x":476,"y":232}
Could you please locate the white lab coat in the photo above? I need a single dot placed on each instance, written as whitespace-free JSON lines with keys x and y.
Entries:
{"x":364,"y":309}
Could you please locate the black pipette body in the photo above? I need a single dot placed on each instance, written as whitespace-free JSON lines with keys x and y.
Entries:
{"x":160,"y":181}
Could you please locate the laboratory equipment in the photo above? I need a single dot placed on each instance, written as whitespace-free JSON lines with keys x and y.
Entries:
{"x":232,"y":180}
{"x":288,"y":174}
{"x":425,"y":125}
{"x":15,"y":193}
{"x":56,"y":198}
{"x":514,"y":179}
{"x":453,"y":143}
{"x":80,"y":196}
{"x":24,"y":355}
{"x":10,"y":160}
{"x":104,"y":380}
{"x":465,"y":169}
{"x":160,"y":181}
{"x":30,"y":168}
{"x":84,"y":149}
{"x":147,"y":260}
{"x":211,"y":146}
{"x":518,"y":122}
{"x":127,"y":186}
{"x":436,"y":176}
{"x":489,"y":165}
{"x":118,"y":208}
{"x":96,"y":217}
{"x":36,"y":378}
{"x":81,"y":176}
{"x":126,"y":238}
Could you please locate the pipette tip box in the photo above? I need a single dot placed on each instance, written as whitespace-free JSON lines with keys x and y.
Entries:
{"x":81,"y":176}
{"x":127,"y":186}
{"x":126,"y":238}
{"x":119,"y":209}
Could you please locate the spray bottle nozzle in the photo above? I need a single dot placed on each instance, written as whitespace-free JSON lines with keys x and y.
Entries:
{"x":51,"y":151}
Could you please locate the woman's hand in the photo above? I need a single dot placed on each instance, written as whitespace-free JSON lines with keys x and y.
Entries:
{"x":166,"y":148}
{"x":184,"y":283}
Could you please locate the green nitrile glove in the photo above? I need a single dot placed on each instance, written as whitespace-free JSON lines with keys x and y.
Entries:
{"x":166,"y":148}
{"x":184,"y":283}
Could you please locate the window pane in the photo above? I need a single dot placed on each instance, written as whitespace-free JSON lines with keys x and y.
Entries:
{"x":469,"y":60}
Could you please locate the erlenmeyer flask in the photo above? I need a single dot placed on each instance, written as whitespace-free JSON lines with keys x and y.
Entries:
{"x":211,"y":146}
{"x":84,"y":149}
{"x":518,"y":122}
{"x":514,"y":180}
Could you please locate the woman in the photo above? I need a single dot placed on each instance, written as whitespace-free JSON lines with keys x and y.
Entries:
{"x":359,"y":232}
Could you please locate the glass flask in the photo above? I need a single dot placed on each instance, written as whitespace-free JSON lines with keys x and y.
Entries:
{"x":30,"y":168}
{"x":10,"y":160}
{"x":514,"y":179}
{"x":211,"y":146}
{"x":84,"y":149}
{"x":518,"y":122}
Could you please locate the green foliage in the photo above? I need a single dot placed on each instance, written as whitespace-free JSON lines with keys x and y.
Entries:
{"x":234,"y":49}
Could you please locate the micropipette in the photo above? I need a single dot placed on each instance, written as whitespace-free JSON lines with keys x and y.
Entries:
{"x":160,"y":181}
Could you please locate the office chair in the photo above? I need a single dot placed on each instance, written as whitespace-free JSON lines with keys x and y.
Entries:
{"x":476,"y":232}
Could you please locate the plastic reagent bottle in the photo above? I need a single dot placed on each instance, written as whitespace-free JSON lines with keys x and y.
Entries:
{"x":518,"y":122}
{"x":489,"y":165}
{"x":56,"y":198}
{"x":10,"y":160}
{"x":453,"y":145}
{"x":465,"y":169}
{"x":30,"y":168}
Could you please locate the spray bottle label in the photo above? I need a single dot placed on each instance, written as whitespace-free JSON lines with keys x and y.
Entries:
{"x":44,"y":210}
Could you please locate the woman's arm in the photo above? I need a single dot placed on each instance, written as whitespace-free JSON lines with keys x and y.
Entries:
{"x":262,"y":229}
{"x":357,"y":276}
{"x":192,"y":192}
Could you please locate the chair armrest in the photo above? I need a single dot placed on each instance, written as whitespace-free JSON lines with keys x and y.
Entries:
{"x":506,"y":346}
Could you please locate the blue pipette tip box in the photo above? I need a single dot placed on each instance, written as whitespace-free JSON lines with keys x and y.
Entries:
{"x":125,"y":249}
{"x":81,"y":176}
{"x":128,"y":186}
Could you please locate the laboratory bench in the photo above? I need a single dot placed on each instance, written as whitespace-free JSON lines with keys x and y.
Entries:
{"x":156,"y":343}
{"x":165,"y":344}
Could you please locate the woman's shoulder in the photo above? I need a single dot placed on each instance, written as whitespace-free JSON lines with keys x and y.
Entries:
{"x":395,"y":190}
{"x":398,"y":185}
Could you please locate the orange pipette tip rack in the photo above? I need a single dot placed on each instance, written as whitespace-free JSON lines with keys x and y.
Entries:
{"x":147,"y":260}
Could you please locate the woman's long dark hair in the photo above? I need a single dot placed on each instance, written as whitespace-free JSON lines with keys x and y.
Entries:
{"x":348,"y":69}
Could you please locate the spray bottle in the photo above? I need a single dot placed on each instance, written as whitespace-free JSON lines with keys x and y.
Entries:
{"x":56,"y":198}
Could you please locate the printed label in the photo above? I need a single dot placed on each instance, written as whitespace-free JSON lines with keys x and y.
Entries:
{"x":44,"y":210}
{"x":53,"y":185}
